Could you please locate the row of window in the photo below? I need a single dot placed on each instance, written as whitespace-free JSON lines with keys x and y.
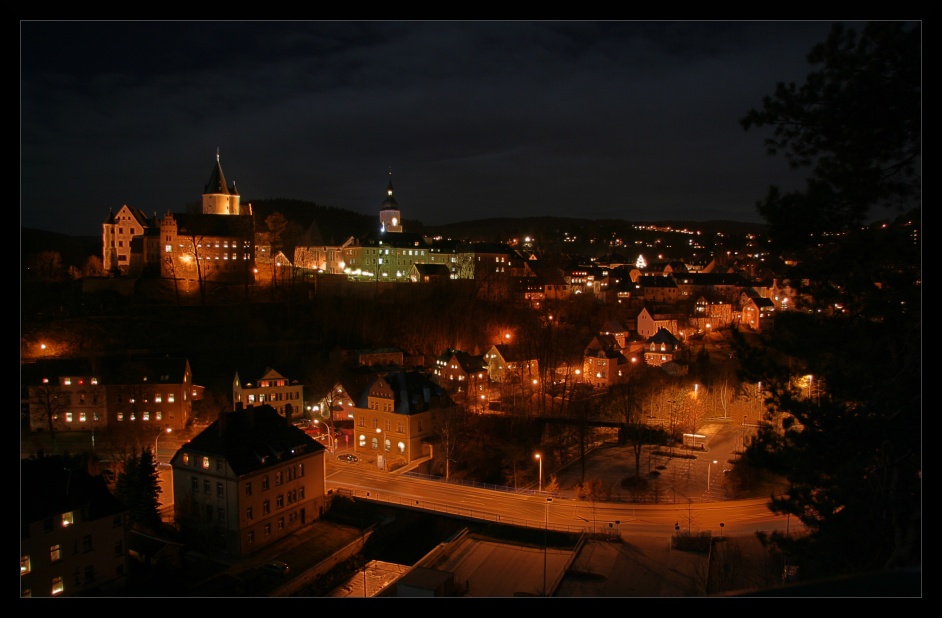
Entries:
{"x":292,"y":517}
{"x":58,"y":584}
{"x":55,"y":553}
{"x":281,"y":500}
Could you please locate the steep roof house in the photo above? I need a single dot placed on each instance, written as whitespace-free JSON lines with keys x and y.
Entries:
{"x":395,"y":418}
{"x":284,"y":395}
{"x":661,"y":348}
{"x":247,"y":480}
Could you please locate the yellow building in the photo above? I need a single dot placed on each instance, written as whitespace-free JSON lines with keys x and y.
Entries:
{"x":247,"y":480}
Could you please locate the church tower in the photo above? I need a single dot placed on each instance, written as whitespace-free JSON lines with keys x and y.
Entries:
{"x":218,"y":199}
{"x":389,"y":217}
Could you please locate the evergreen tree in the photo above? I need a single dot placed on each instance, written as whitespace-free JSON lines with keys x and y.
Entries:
{"x":843,"y":370}
{"x":138,"y":487}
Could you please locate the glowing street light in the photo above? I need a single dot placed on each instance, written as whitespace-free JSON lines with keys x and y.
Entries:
{"x":540,"y":459}
{"x":709,"y":467}
{"x":156,"y":440}
{"x":382,"y":447}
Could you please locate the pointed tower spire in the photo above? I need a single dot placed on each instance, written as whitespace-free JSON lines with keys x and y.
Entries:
{"x":389,"y":219}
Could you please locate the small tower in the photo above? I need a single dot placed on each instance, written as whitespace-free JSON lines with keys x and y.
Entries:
{"x":389,"y":219}
{"x":218,"y":199}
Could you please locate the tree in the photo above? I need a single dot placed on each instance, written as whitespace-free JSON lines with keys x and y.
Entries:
{"x":624,"y":402}
{"x":138,"y":487}
{"x":851,"y":453}
{"x":855,"y":123}
{"x":47,"y":401}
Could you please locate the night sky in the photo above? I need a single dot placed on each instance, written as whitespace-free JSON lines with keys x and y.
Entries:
{"x":635,"y":120}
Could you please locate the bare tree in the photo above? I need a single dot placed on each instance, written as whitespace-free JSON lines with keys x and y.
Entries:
{"x":47,"y":401}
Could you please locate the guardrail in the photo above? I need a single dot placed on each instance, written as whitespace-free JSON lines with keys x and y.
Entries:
{"x":460,"y":512}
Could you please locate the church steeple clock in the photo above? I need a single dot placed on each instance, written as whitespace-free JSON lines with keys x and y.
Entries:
{"x":389,"y":217}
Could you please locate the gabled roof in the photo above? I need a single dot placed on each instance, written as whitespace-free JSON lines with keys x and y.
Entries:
{"x":470,"y":363}
{"x":49,"y":488}
{"x":251,"y":439}
{"x":512,"y":353}
{"x":140,"y":370}
{"x":432,"y":270}
{"x":415,"y":392}
{"x":215,"y":225}
{"x":664,"y":336}
{"x":217,"y":181}
{"x":613,"y":326}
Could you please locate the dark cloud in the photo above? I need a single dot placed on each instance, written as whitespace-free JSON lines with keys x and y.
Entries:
{"x":634,"y":120}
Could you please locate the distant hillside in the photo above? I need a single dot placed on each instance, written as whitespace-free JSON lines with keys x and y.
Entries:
{"x":502,"y":228}
{"x":75,"y":250}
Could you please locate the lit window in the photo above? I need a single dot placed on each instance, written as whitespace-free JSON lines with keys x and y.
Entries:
{"x":158,"y":398}
{"x":170,"y":398}
{"x":68,"y":417}
{"x":55,"y":553}
{"x":57,"y":586}
{"x":68,"y":519}
{"x":67,"y":381}
{"x":24,"y":565}
{"x":206,"y":463}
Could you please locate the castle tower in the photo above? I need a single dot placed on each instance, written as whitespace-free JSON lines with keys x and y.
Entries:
{"x":389,"y":217}
{"x":218,"y":199}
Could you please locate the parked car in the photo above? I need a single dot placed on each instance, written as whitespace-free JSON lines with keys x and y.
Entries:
{"x":348,"y":458}
{"x":276,"y":567}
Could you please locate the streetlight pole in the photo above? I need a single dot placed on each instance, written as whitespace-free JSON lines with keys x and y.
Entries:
{"x":540,"y":459}
{"x":545,"y":541}
{"x":709,"y":467}
{"x":156,"y":440}
{"x":382,"y":447}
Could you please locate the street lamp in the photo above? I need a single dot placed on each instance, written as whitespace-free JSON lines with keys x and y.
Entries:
{"x":709,"y":467}
{"x":540,"y":459}
{"x":382,"y":447}
{"x":156,"y":440}
{"x":545,"y":533}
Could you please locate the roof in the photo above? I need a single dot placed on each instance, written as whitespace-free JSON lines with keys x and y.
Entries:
{"x":215,"y":225}
{"x":48,"y":488}
{"x":664,"y":336}
{"x":111,"y":370}
{"x":217,"y":181}
{"x":251,"y":439}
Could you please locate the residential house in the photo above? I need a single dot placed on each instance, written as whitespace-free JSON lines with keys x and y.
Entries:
{"x":142,"y":394}
{"x":396,"y":415}
{"x":462,"y":373}
{"x":73,"y":532}
{"x":650,"y":321}
{"x":661,"y":348}
{"x":658,"y":289}
{"x":710,"y":315}
{"x":150,"y":393}
{"x":284,"y":395}
{"x":249,"y":479}
{"x":429,"y":273}
{"x":511,"y":363}
{"x":758,"y":314}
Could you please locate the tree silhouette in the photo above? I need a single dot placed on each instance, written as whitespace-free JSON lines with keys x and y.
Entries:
{"x":852,"y":452}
